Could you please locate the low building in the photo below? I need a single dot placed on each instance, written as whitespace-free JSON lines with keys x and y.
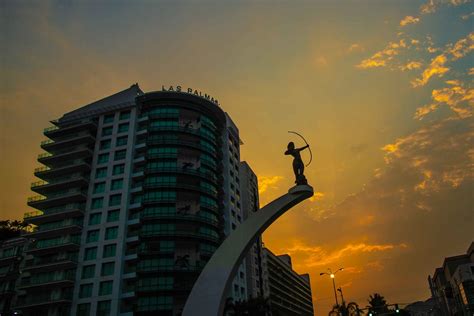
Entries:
{"x":11,"y":259}
{"x":289,"y":293}
{"x":452,"y":285}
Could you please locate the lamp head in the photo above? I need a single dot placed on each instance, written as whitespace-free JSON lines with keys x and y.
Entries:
{"x":332,"y":275}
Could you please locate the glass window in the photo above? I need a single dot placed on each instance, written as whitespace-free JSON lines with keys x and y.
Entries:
{"x":103,"y":308}
{"x":120,"y":154}
{"x":109,"y":251}
{"x":105,"y":144}
{"x":115,"y":199}
{"x":152,"y":303}
{"x":125,"y":115}
{"x":118,"y":169}
{"x":83,"y":309}
{"x":90,"y":253}
{"x":109,"y":118}
{"x":122,"y":141}
{"x":123,"y":128}
{"x":92,"y":236}
{"x":107,"y":268}
{"x":113,"y":216}
{"x":101,"y":173}
{"x":95,"y":218}
{"x":116,"y":184}
{"x":106,"y":131}
{"x":103,"y":158}
{"x":166,"y":245}
{"x":85,"y":290}
{"x":97,"y":203}
{"x":99,"y":187}
{"x":105,"y":288}
{"x":88,"y":271}
{"x":111,"y":233}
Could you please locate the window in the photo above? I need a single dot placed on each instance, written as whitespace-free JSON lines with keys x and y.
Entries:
{"x":115,"y":199}
{"x":122,"y":141}
{"x":109,"y":251}
{"x":106,"y":131}
{"x":92,"y":236}
{"x":153,"y":303}
{"x":124,"y":115}
{"x":90,"y":253}
{"x":116,"y":184}
{"x":166,"y":245}
{"x":118,"y":169}
{"x":83,"y":309}
{"x":103,"y":158}
{"x":99,"y":187}
{"x":101,"y":173}
{"x":95,"y":218}
{"x":105,"y":144}
{"x":111,"y":233}
{"x":120,"y":154}
{"x":113,"y":216}
{"x":103,"y":308}
{"x":105,"y":288}
{"x":85,"y":290}
{"x":123,"y":128}
{"x":97,"y":203}
{"x":88,"y":271}
{"x":107,"y":268}
{"x":109,"y":118}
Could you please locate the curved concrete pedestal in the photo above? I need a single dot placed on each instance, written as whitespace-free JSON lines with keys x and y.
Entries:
{"x":208,"y":296}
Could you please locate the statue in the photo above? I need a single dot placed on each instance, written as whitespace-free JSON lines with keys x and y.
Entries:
{"x":298,"y":165}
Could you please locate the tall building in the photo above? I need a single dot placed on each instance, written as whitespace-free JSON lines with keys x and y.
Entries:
{"x":289,"y":292}
{"x":136,"y":193}
{"x":250,"y":203}
{"x":452,"y":285}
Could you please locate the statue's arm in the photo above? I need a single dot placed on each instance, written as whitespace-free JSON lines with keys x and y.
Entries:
{"x":303,"y":148}
{"x":287,"y":152}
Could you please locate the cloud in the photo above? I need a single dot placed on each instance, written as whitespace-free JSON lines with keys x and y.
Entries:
{"x":356,"y":47}
{"x":432,"y":6}
{"x":265,"y":183}
{"x":318,"y":196}
{"x":467,"y":16}
{"x":462,"y":47}
{"x":455,"y":96}
{"x":437,"y":68}
{"x":316,"y":256}
{"x":411,"y":65}
{"x":381,"y":58}
{"x":409,"y":20}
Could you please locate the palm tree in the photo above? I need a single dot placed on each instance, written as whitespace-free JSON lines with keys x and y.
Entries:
{"x":12,"y":228}
{"x":377,"y":304}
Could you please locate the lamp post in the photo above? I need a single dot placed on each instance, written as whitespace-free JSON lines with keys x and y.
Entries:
{"x":333,"y":276}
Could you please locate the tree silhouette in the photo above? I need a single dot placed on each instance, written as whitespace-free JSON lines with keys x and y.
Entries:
{"x":377,"y":304}
{"x":12,"y":228}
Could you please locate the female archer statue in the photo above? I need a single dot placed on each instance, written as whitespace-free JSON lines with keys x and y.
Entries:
{"x":298,"y":165}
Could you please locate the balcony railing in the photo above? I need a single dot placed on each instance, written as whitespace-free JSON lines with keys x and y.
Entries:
{"x":55,"y":210}
{"x":55,"y":243}
{"x":51,"y":128}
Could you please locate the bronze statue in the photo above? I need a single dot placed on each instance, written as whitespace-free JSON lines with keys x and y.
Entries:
{"x":298,"y":165}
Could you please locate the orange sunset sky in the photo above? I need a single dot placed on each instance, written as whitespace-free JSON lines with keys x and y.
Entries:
{"x":381,"y":89}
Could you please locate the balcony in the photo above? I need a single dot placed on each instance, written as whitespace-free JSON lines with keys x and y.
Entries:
{"x":75,"y":180}
{"x":173,"y":268}
{"x":55,"y":132}
{"x":72,"y":140}
{"x":51,"y":263}
{"x":180,"y":235}
{"x":198,"y":188}
{"x":53,"y":279}
{"x":55,"y":245}
{"x":68,"y":196}
{"x":185,"y":130}
{"x":77,"y":165}
{"x":36,"y":301}
{"x":75,"y":153}
{"x":54,"y":214}
{"x":66,"y":227}
{"x":179,"y":218}
{"x":191,"y":144}
{"x":194,"y":172}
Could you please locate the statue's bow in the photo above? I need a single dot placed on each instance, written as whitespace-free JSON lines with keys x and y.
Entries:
{"x":309,"y":148}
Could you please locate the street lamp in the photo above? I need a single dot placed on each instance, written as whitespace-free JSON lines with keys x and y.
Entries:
{"x":333,"y":276}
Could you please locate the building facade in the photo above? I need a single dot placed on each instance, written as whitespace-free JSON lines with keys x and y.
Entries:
{"x":452,"y":285}
{"x":289,"y":293}
{"x":136,"y":193}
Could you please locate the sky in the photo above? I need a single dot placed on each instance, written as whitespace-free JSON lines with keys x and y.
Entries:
{"x":382,"y":90}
